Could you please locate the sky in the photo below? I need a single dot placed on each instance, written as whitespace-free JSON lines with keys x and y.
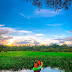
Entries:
{"x":23,"y":23}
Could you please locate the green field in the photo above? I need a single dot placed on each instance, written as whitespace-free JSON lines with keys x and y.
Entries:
{"x":25,"y":59}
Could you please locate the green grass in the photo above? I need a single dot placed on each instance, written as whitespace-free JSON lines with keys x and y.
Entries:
{"x":31,"y":53}
{"x":25,"y":59}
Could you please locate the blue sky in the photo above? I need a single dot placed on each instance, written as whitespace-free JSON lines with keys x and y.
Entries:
{"x":22,"y":22}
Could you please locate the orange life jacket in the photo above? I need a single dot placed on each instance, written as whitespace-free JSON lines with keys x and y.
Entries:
{"x":39,"y":63}
{"x":35,"y":65}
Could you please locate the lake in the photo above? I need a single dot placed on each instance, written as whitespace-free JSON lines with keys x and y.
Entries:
{"x":47,"y":69}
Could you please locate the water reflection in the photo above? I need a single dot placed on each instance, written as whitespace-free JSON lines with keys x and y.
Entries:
{"x":47,"y":69}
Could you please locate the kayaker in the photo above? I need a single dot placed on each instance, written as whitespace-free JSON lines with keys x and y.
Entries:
{"x":36,"y":64}
{"x":39,"y":63}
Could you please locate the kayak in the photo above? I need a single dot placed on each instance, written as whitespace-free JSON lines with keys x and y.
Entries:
{"x":38,"y":68}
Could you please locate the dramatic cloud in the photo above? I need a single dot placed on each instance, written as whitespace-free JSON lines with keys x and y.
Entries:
{"x":3,"y":32}
{"x":35,"y":42}
{"x":24,"y":37}
{"x":6,"y":32}
{"x":5,"y":38}
{"x":47,"y":12}
{"x":53,"y":24}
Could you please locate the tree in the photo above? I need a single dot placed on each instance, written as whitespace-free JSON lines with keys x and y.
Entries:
{"x":51,"y":50}
{"x":36,"y":48}
{"x":3,"y":47}
{"x":64,"y":46}
{"x":55,"y":46}
{"x":0,"y":49}
{"x":54,"y":4}
{"x":57,"y":50}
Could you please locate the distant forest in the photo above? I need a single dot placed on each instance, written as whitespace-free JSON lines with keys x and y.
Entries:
{"x":43,"y":48}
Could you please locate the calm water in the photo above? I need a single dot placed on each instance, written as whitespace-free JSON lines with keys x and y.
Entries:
{"x":47,"y":69}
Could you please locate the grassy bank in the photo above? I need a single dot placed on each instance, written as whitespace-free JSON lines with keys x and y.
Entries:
{"x":25,"y":59}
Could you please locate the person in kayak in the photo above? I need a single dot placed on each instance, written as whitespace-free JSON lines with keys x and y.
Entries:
{"x":36,"y":64}
{"x":39,"y":63}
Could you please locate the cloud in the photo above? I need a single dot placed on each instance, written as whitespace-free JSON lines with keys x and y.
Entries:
{"x":54,"y":24}
{"x":1,"y":25}
{"x":61,"y":41}
{"x":5,"y":38}
{"x":53,"y":43}
{"x":25,"y":37}
{"x":3,"y":32}
{"x":68,"y":39}
{"x":24,"y":16}
{"x":47,"y":12}
{"x":65,"y":39}
{"x":6,"y":32}
{"x":27,"y":40}
{"x":35,"y":42}
{"x":70,"y":31}
{"x":23,"y":42}
{"x":24,"y":31}
{"x":39,"y":34}
{"x":58,"y":36}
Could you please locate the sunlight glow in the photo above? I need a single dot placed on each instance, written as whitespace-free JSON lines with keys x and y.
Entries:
{"x":10,"y":42}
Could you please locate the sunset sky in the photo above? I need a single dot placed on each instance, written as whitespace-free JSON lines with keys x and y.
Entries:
{"x":22,"y":23}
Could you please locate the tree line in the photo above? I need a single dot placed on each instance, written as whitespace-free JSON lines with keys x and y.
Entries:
{"x":42,"y":48}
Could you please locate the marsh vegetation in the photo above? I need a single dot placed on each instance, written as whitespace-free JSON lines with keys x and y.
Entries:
{"x":16,"y":60}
